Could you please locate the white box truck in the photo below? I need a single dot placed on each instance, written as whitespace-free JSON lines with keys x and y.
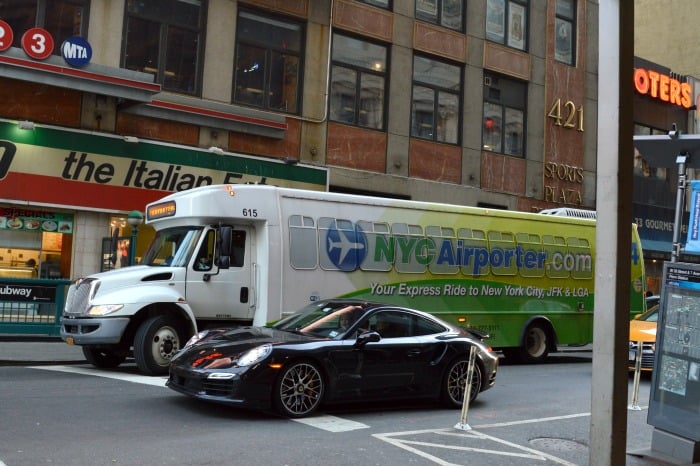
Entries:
{"x":228,"y":255}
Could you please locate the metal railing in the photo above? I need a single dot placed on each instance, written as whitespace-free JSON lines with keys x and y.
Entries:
{"x":31,"y":307}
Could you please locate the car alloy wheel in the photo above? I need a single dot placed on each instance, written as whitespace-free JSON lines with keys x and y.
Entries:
{"x":299,"y":390}
{"x":455,"y":382}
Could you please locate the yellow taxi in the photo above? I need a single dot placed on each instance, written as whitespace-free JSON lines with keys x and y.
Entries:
{"x":643,"y":330}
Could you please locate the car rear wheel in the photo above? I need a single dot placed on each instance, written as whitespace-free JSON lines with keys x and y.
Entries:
{"x":104,"y":358}
{"x":156,"y":342}
{"x":299,"y":390}
{"x":454,"y":383}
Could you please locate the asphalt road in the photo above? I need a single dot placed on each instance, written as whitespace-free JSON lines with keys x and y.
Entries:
{"x":75,"y":414}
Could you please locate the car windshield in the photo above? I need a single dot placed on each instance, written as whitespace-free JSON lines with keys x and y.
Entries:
{"x":172,"y":247}
{"x":322,"y":319}
{"x":652,"y":315}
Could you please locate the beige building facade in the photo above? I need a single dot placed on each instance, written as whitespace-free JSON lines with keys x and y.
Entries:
{"x":487,"y":103}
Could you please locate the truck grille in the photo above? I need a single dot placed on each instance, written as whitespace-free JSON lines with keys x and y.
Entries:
{"x":79,"y":294}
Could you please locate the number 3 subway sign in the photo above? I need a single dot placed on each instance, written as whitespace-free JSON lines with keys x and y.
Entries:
{"x":85,"y":169}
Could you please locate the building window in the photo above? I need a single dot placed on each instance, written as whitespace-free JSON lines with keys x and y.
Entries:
{"x":506,"y":22}
{"x":386,"y":4}
{"x":565,"y":32}
{"x":61,"y":18}
{"x":641,"y":166}
{"x":268,"y":62}
{"x":435,"y":105}
{"x":164,"y":37}
{"x":358,"y":82}
{"x":504,"y":115}
{"x":447,"y":13}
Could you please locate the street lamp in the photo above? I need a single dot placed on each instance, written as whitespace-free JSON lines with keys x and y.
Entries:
{"x":135,"y":218}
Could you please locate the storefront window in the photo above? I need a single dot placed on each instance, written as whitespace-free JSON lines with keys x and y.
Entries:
{"x":268,"y":62}
{"x":61,"y":18}
{"x":358,"y":80}
{"x":35,"y":244}
{"x":506,"y":22}
{"x":504,"y":115}
{"x":435,"y":106}
{"x":447,"y":13}
{"x":116,"y":248}
{"x":164,"y":38}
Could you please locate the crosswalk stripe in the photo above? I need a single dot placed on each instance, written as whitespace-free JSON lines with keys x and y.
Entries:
{"x":142,"y":379}
{"x":331,"y":423}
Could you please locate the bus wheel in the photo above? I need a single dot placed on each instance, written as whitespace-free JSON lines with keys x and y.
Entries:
{"x":156,"y":342}
{"x":535,"y":344}
{"x":104,"y":358}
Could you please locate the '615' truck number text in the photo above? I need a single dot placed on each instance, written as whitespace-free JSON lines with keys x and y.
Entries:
{"x":250,"y":212}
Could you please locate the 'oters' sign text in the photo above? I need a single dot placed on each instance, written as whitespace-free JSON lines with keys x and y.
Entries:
{"x":662,"y":87}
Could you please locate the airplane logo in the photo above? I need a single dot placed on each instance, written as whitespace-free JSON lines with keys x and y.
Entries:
{"x":346,"y":248}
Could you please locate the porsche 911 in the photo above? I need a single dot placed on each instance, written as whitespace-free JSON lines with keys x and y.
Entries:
{"x":335,"y":351}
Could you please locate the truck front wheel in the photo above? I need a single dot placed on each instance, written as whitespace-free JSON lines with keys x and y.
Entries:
{"x":156,"y":342}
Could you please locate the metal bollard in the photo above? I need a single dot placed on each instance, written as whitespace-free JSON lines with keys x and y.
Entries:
{"x":637,"y":372}
{"x":462,"y":424}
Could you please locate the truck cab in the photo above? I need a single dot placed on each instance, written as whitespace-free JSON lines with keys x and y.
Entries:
{"x":191,"y":277}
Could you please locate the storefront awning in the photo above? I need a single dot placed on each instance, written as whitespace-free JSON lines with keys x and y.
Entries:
{"x":661,"y":150}
{"x":105,"y":80}
{"x":655,"y":245}
{"x":212,"y":114}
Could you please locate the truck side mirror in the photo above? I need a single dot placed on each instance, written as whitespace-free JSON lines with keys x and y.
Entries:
{"x":225,"y":234}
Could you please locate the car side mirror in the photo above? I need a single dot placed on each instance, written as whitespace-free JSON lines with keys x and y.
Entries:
{"x":367,"y":337}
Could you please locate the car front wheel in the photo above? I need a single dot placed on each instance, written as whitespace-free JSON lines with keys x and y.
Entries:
{"x":299,"y":390}
{"x":454,"y":383}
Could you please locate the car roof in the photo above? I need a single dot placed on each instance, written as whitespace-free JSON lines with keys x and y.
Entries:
{"x":370,"y":305}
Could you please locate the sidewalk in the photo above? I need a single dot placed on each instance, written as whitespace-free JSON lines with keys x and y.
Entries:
{"x":16,"y":350}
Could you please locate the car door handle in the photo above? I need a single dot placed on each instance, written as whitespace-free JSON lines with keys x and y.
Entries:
{"x":413,"y":353}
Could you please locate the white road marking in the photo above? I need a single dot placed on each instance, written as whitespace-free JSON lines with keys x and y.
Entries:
{"x":331,"y":423}
{"x":324,"y":422}
{"x":142,"y":379}
{"x":518,"y":451}
{"x":336,"y":424}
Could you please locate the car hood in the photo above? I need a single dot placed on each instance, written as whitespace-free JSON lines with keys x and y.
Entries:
{"x":642,"y":331}
{"x":231,"y":343}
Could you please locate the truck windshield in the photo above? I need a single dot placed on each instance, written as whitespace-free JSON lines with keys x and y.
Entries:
{"x":172,"y":247}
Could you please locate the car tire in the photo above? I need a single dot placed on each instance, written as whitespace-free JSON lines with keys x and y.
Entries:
{"x":102,"y":357}
{"x":535,"y":347}
{"x":453,"y":383}
{"x":298,"y":390}
{"x":155,"y":343}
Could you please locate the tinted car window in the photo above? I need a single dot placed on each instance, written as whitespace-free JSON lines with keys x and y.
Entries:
{"x":423,"y":326}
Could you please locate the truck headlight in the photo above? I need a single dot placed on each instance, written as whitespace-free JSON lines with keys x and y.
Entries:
{"x":104,"y":309}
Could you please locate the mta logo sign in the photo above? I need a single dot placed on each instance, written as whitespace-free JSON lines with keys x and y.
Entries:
{"x":76,"y":51}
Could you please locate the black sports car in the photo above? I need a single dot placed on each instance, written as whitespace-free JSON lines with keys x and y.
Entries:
{"x":334,"y":351}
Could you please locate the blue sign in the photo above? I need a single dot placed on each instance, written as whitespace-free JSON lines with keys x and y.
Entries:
{"x":76,"y":51}
{"x":692,"y":245}
{"x":346,"y":248}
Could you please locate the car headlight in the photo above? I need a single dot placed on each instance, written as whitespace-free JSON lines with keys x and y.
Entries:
{"x":255,"y":355}
{"x":104,"y":309}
